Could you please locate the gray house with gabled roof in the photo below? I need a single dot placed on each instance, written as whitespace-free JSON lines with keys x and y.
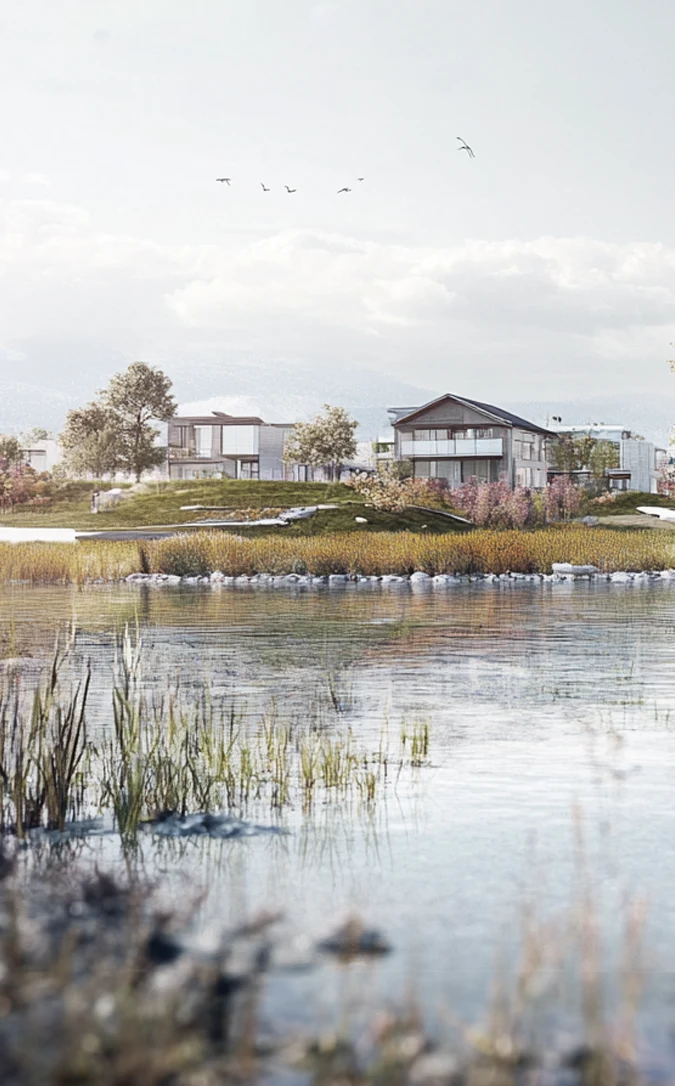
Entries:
{"x":457,"y":439}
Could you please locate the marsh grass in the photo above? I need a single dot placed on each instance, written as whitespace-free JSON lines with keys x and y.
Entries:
{"x":44,"y":750}
{"x":401,"y":553}
{"x":171,"y":753}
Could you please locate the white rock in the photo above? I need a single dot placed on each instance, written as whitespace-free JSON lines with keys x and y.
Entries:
{"x":217,"y":577}
{"x":622,"y":578}
{"x":361,"y":520}
{"x":576,"y":571}
{"x":392,"y":578}
{"x":138,"y":578}
{"x":418,"y":577}
{"x":338,"y":578}
{"x":442,"y":579}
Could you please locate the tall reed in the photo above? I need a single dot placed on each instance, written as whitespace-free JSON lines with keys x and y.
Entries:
{"x":372,"y":554}
{"x":171,"y":753}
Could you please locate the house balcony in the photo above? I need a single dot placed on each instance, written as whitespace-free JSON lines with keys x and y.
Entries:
{"x":176,"y":453}
{"x":461,"y":447}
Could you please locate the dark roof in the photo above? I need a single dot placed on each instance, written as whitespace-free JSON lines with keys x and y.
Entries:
{"x":497,"y":412}
{"x":217,"y":420}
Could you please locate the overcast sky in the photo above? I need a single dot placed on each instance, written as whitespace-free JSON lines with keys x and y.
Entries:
{"x":542,"y":267}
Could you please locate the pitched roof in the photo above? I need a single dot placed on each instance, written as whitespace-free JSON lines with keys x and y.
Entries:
{"x":489,"y":409}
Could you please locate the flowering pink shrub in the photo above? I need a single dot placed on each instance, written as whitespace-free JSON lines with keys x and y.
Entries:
{"x":562,"y":499}
{"x":487,"y":505}
{"x":666,"y":483}
{"x":21,"y":485}
{"x":495,"y":505}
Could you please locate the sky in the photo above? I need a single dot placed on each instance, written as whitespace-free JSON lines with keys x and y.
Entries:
{"x":542,"y":270}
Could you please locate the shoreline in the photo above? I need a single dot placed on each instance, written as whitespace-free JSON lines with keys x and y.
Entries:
{"x":418,"y":579}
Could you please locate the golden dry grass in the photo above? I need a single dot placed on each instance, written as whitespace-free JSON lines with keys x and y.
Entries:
{"x":483,"y":551}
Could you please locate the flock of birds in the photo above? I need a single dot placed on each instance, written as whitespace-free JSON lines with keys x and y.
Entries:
{"x":464,"y":146}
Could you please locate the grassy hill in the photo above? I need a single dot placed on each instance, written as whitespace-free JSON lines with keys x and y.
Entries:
{"x":160,"y":504}
{"x":627,"y":503}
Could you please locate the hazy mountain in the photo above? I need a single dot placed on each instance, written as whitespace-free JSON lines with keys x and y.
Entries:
{"x":646,"y":415}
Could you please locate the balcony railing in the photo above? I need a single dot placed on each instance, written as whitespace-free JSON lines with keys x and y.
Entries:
{"x":485,"y":446}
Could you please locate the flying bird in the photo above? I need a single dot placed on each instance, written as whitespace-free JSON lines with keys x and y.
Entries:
{"x":360,"y":178}
{"x":225,"y":179}
{"x":289,"y":190}
{"x":344,"y":190}
{"x":264,"y":187}
{"x":465,"y":147}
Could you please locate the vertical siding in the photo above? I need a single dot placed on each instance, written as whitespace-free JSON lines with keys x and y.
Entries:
{"x":271,"y":451}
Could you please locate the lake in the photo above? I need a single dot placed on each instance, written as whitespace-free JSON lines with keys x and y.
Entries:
{"x":550,"y":713}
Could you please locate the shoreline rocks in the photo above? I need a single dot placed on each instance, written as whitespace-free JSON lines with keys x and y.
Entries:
{"x":564,"y":573}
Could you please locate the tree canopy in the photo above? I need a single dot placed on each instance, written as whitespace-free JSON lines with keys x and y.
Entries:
{"x":115,"y":432}
{"x":11,"y":450}
{"x":328,"y":440}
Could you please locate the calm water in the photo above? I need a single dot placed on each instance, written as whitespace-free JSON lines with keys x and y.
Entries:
{"x":541,"y":702}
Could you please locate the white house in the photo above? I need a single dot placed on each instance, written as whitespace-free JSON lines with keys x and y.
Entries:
{"x":640,"y":462}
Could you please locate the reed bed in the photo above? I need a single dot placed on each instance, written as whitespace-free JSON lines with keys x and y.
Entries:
{"x":67,"y":563}
{"x":402,"y":553}
{"x":173,"y":754}
{"x":375,"y":554}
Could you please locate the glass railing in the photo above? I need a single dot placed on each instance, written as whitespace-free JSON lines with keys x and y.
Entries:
{"x":485,"y":446}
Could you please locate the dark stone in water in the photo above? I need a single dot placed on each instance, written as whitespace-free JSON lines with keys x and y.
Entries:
{"x":162,"y":948}
{"x":353,"y":940}
{"x":169,"y":824}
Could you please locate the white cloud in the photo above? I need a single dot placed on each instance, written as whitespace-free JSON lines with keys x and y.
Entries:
{"x":5,"y":176}
{"x":509,"y":317}
{"x":37,"y":179}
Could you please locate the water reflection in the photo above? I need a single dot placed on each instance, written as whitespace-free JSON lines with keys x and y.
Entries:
{"x":538,"y":700}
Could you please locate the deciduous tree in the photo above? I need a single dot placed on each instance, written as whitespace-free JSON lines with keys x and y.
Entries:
{"x":90,"y":441}
{"x":136,"y":398}
{"x":328,"y":440}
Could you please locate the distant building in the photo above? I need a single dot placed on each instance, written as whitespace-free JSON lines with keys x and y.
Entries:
{"x":458,"y":439}
{"x":225,"y":446}
{"x":43,"y":455}
{"x":639,"y":461}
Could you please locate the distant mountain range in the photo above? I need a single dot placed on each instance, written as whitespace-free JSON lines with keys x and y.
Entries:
{"x":643,"y":414}
{"x":285,"y":392}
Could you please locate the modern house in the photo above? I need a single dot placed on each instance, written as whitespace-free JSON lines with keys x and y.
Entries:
{"x":239,"y":447}
{"x":638,"y":462}
{"x":226,"y":446}
{"x":457,"y":439}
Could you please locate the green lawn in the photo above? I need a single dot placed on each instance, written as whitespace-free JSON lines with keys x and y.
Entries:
{"x":160,"y":503}
{"x":627,"y":503}
{"x":327,"y":521}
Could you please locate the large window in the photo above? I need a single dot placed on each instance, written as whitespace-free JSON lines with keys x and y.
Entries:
{"x":248,"y":469}
{"x":239,"y":441}
{"x":204,"y":440}
{"x":476,"y":469}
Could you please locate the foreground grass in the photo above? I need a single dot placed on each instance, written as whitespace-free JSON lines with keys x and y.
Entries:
{"x":175,"y":754}
{"x":160,"y":503}
{"x":374,"y":554}
{"x":100,"y":987}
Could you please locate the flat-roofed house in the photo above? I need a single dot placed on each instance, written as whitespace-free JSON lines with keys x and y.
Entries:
{"x":227,"y":446}
{"x":457,"y":439}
